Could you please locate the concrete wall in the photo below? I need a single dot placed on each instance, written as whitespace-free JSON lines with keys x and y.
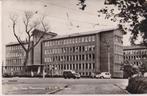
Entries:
{"x":118,"y":53}
{"x":37,"y":50}
{"x":106,"y":39}
{"x":97,"y":55}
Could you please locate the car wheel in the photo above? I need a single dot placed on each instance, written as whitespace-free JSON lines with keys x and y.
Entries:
{"x":65,"y":77}
{"x":102,"y":77}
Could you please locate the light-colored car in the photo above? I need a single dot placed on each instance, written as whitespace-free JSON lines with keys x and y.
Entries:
{"x":145,"y":74}
{"x":102,"y":75}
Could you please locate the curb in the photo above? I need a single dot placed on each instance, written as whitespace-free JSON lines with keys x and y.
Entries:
{"x":122,"y":89}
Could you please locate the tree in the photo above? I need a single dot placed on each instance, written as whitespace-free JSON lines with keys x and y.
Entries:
{"x":129,"y":69}
{"x":30,"y":23}
{"x":131,"y":16}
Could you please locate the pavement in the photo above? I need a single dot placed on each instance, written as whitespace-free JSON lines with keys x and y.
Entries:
{"x":63,"y":86}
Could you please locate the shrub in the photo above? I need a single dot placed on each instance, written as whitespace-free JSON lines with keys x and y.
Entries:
{"x":137,"y":85}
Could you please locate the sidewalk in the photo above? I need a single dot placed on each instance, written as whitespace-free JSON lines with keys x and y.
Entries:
{"x":18,"y":86}
{"x":93,"y":89}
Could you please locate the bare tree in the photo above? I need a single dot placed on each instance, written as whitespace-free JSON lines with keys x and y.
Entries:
{"x":29,"y":25}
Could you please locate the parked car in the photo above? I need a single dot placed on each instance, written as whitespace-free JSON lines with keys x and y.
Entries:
{"x":145,"y":74}
{"x":70,"y":74}
{"x":103,"y":75}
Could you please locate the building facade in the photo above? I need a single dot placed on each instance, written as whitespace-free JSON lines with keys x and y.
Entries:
{"x":134,"y":54}
{"x":86,"y":53}
{"x":15,"y":54}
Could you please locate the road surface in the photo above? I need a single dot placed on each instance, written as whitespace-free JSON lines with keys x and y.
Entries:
{"x":63,"y":86}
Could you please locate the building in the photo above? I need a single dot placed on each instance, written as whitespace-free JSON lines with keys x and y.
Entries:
{"x":15,"y":54}
{"x":15,"y":57}
{"x":86,"y":52}
{"x":134,"y":54}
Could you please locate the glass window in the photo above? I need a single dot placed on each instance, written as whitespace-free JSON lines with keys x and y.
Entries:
{"x":93,"y":38}
{"x":86,"y":65}
{"x":86,"y":39}
{"x":80,"y":66}
{"x":83,"y":66}
{"x":82,"y":39}
{"x":73,"y":66}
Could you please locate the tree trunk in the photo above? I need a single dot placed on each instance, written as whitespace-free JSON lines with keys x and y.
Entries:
{"x":26,"y":59}
{"x":25,"y":63}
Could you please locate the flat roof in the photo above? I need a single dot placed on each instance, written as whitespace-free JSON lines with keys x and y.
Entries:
{"x":14,"y":43}
{"x":134,"y":47}
{"x":84,"y":33}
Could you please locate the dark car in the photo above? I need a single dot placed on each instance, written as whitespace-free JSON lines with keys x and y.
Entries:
{"x":70,"y":74}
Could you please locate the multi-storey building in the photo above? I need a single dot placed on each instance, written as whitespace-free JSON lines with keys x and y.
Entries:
{"x":88,"y":52}
{"x":15,"y":54}
{"x":134,"y":54}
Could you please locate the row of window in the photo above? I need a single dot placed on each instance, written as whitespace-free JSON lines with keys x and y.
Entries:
{"x":14,"y":68}
{"x":143,"y":51}
{"x":133,"y":57}
{"x":70,"y":41}
{"x":17,"y":47}
{"x":78,"y":66}
{"x":70,"y":58}
{"x":70,"y":49}
{"x":15,"y":54}
{"x":138,"y":63}
{"x":14,"y":61}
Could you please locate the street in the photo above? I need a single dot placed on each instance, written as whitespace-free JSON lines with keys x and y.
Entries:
{"x":63,"y":86}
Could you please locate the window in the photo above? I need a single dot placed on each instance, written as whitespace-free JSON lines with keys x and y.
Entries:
{"x":70,"y":67}
{"x":64,"y":66}
{"x":76,"y":66}
{"x":73,"y":66}
{"x":83,"y":48}
{"x":82,"y":57}
{"x":76,"y":41}
{"x":89,"y":65}
{"x":67,"y":66}
{"x":86,"y":65}
{"x":82,"y":39}
{"x":79,"y":66}
{"x":86,"y":39}
{"x":89,"y":38}
{"x":83,"y":66}
{"x":93,"y":38}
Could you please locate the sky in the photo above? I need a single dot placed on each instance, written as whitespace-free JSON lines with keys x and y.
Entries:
{"x":63,"y":17}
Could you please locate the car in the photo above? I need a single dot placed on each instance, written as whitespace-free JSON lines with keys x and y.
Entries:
{"x":70,"y":74}
{"x":103,"y":75}
{"x":145,"y":74}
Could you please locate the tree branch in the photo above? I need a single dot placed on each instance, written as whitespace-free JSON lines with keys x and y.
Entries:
{"x":14,"y":19}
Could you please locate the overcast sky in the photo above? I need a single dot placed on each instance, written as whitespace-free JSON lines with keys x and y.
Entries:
{"x":56,"y":12}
